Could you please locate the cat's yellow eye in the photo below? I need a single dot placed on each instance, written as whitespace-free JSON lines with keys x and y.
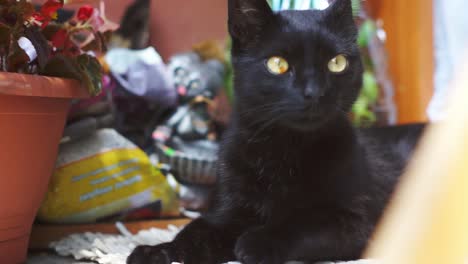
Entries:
{"x":277,"y":65}
{"x":338,"y":64}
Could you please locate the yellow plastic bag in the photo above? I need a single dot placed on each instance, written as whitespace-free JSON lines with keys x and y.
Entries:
{"x":101,"y":176}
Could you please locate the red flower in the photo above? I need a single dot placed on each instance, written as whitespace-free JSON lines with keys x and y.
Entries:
{"x":85,"y":12}
{"x":59,"y":39}
{"x":49,"y":8}
{"x":47,"y":13}
{"x":64,"y":45}
{"x":37,"y":19}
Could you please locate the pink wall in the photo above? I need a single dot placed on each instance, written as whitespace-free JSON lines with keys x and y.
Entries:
{"x":176,"y":25}
{"x":116,"y":8}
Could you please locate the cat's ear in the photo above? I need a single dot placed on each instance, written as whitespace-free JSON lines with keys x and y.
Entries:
{"x":339,"y":16}
{"x":248,"y":18}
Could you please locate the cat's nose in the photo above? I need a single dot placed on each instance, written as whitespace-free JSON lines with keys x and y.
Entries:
{"x":312,"y":92}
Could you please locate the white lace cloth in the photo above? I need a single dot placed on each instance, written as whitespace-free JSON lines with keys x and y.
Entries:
{"x":114,"y":249}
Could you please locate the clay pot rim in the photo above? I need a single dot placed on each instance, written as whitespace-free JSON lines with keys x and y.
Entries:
{"x":40,"y":86}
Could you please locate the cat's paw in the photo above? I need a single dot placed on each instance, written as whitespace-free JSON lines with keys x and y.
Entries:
{"x":258,"y":247}
{"x":151,"y":255}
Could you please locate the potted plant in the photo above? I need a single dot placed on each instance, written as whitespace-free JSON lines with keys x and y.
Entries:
{"x":38,"y":60}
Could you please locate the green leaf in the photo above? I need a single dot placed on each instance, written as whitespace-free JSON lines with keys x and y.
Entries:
{"x":362,"y":114}
{"x":17,"y":58}
{"x":83,"y":68}
{"x":50,"y":30}
{"x":98,"y":43}
{"x":229,"y":73}
{"x":5,"y":35}
{"x":91,"y":71}
{"x":370,"y":87}
{"x":81,"y":28}
{"x":22,"y":10}
{"x":62,"y":66}
{"x":360,"y":106}
{"x":356,"y":4}
{"x":366,"y":33}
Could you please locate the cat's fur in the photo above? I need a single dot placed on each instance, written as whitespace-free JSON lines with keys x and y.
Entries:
{"x":296,"y":180}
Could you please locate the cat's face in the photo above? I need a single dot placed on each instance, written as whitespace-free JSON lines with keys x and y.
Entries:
{"x":295,"y":68}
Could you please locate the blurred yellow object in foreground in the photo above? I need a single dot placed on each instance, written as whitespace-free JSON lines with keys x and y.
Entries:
{"x":427,"y":221}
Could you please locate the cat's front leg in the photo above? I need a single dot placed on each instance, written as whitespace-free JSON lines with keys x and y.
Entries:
{"x":259,"y":246}
{"x":199,"y":242}
{"x":302,"y":239}
{"x":163,"y":254}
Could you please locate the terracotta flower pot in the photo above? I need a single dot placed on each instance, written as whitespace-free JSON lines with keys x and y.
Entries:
{"x":33,"y":112}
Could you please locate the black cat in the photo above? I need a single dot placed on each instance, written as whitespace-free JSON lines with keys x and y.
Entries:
{"x":296,"y":180}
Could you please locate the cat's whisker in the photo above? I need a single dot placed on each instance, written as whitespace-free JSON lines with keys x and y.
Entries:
{"x":265,"y":122}
{"x":264,"y":107}
{"x":337,"y":107}
{"x":262,"y":128}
